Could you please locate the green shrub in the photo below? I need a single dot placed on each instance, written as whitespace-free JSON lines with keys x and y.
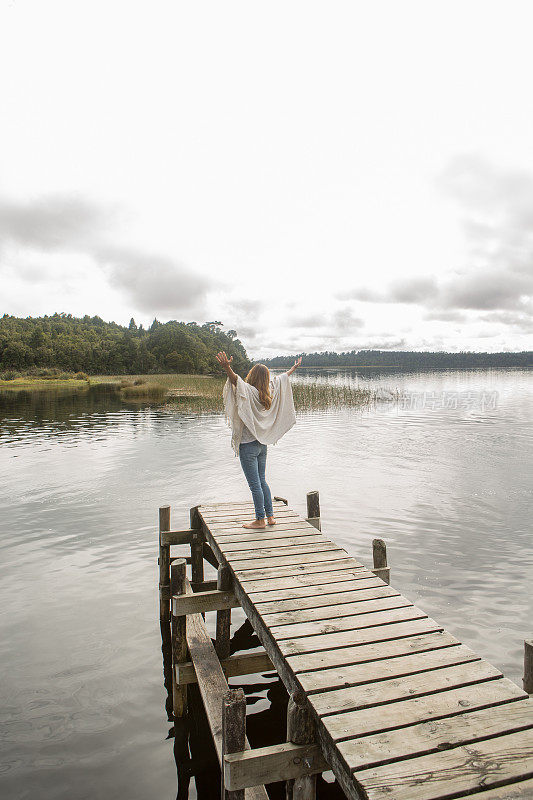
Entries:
{"x":147,"y":391}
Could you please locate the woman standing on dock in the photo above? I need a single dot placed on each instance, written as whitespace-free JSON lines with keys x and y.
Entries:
{"x":260,"y":410}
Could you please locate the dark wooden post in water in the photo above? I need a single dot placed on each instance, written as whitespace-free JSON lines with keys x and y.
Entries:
{"x":164,"y":566}
{"x":222,"y":645}
{"x":313,"y":509}
{"x":528,"y":666}
{"x":233,"y":733}
{"x":178,"y":577}
{"x":381,"y":569}
{"x":300,"y":730}
{"x":197,"y":550}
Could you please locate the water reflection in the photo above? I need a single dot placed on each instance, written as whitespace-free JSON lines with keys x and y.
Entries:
{"x":83,"y":694}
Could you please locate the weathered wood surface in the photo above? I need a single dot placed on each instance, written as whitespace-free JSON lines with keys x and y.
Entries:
{"x":273,"y":763}
{"x":212,"y":684}
{"x":239,"y":664}
{"x":466,"y":768}
{"x":402,"y":709}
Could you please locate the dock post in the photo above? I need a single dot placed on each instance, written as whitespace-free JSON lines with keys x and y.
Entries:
{"x":233,"y":734}
{"x":178,"y":577}
{"x":164,"y":566}
{"x":528,"y":666}
{"x":379,"y":549}
{"x":300,"y":730}
{"x":197,"y":550}
{"x":313,"y":509}
{"x":222,"y":642}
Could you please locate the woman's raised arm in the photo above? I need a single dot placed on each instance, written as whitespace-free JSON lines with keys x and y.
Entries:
{"x":296,"y":364}
{"x":225,"y":363}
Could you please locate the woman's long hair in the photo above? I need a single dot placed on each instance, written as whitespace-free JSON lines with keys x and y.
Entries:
{"x":259,"y":376}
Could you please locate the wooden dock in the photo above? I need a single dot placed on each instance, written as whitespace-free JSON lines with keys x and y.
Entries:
{"x":394,"y":705}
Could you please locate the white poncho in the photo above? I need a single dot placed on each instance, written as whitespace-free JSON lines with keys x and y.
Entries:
{"x":243,"y":407}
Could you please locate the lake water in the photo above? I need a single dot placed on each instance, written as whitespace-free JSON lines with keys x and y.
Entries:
{"x":444,"y":476}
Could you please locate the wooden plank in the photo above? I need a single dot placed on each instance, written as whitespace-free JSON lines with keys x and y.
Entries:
{"x":268,"y":572}
{"x":317,"y":598}
{"x":229,"y":529}
{"x":277,"y":762}
{"x":212,"y":684}
{"x":279,"y":541}
{"x":251,"y":555}
{"x":200,"y":602}
{"x":311,"y":578}
{"x":469,"y":768}
{"x":355,"y":622}
{"x":334,"y":610}
{"x":245,"y":514}
{"x":387,"y":668}
{"x":428,"y":737}
{"x":315,"y":585}
{"x":523,"y":790}
{"x":419,"y":709}
{"x":176,"y":537}
{"x":238,"y":664}
{"x":317,"y":555}
{"x":362,"y":654}
{"x":386,"y":691}
{"x":381,"y":633}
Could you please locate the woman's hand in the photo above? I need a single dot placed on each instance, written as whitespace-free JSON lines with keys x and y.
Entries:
{"x":223,"y":359}
{"x":225,"y":363}
{"x":297,"y":363}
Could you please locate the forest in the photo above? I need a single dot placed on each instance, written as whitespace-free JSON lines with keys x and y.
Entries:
{"x":406,"y":359}
{"x":91,"y":345}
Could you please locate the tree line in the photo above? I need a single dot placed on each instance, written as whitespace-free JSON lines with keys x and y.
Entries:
{"x":405,"y":359}
{"x":91,"y":345}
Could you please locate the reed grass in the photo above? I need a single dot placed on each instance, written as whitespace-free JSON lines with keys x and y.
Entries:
{"x":199,"y":394}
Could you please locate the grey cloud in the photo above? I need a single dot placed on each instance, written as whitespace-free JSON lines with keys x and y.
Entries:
{"x":446,"y":316}
{"x":153,"y":282}
{"x":54,"y":222}
{"x":308,"y":321}
{"x":410,"y":290}
{"x":344,"y":320}
{"x":385,"y":344}
{"x":497,"y":209}
{"x":246,"y":330}
{"x":522,"y":322}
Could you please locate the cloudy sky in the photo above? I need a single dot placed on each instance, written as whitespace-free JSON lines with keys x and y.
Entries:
{"x":316,"y":175}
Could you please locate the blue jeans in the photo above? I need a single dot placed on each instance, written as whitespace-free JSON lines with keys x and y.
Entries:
{"x":253,"y":460}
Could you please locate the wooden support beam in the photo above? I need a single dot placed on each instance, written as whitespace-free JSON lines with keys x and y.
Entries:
{"x":200,"y":602}
{"x":233,"y":736}
{"x":178,"y":577}
{"x":206,"y":586}
{"x":528,"y":666}
{"x":197,"y":548}
{"x":222,"y":642}
{"x":164,"y":566}
{"x":239,"y":664}
{"x":300,"y":731}
{"x":313,"y":509}
{"x":278,"y":762}
{"x":212,"y":684}
{"x":209,"y":556}
{"x":177,"y":537}
{"x":379,"y":552}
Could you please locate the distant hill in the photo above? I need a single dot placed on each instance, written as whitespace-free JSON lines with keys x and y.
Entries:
{"x":91,"y":345}
{"x":406,"y":358}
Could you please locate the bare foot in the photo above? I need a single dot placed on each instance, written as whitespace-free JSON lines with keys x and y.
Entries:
{"x":258,"y":523}
{"x":271,"y":520}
